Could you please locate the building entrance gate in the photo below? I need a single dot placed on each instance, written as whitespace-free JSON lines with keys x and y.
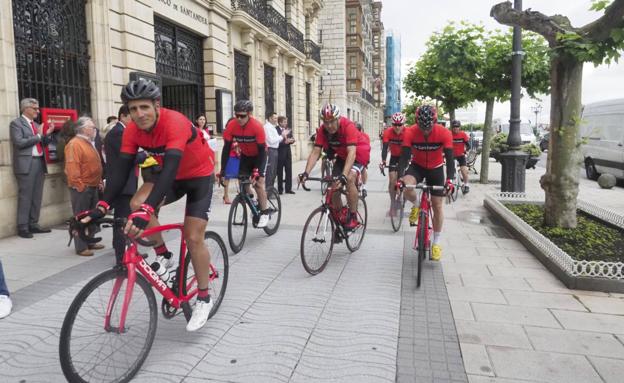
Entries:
{"x":180,"y":63}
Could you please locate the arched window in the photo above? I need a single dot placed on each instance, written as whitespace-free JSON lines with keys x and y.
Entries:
{"x":51,"y":50}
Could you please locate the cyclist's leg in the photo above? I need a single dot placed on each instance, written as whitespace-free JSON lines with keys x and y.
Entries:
{"x":463,"y":168}
{"x":436,"y":177}
{"x":352,"y":191}
{"x":392,"y":176}
{"x":261,"y":191}
{"x":413,"y":175}
{"x":337,"y":171}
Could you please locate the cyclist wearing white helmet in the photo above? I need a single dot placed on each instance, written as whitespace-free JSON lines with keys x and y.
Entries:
{"x":393,"y":140}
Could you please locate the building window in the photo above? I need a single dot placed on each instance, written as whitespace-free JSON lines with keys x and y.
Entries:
{"x":352,"y":22}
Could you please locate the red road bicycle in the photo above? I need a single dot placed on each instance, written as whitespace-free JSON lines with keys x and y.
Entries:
{"x":424,"y":228}
{"x":110,"y":326}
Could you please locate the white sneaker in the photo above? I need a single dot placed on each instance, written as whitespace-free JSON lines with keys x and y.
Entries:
{"x":163,"y":267}
{"x":264,"y":219}
{"x":5,"y":306}
{"x":200,"y":315}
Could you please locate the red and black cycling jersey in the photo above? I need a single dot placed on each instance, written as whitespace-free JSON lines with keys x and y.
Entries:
{"x":460,"y":142}
{"x":346,"y":135}
{"x":173,"y":131}
{"x":394,"y":141}
{"x":428,"y":151}
{"x":248,"y":137}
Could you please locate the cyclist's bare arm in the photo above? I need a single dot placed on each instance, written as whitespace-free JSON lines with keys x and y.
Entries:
{"x":313,"y":158}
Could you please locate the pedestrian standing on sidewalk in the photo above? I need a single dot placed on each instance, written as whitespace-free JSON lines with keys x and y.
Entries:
{"x":284,"y":157}
{"x":5,"y":301}
{"x":273,"y":140}
{"x":121,"y":204}
{"x":83,"y":168}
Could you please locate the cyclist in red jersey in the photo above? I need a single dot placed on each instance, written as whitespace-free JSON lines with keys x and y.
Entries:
{"x":365,"y":170}
{"x":393,"y":140}
{"x":186,"y":165}
{"x":461,"y":144}
{"x":429,"y":145}
{"x":249,"y":134}
{"x":352,"y":153}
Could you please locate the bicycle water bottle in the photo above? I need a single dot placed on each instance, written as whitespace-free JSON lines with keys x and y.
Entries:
{"x":161,"y":270}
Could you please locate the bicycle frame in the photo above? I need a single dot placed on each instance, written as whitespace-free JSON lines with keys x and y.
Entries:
{"x":242,"y":183}
{"x":425,"y":207}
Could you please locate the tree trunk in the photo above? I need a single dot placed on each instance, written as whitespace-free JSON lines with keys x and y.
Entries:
{"x":451,"y":115}
{"x":561,"y":180}
{"x":487,"y":139}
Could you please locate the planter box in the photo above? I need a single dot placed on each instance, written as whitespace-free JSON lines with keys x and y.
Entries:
{"x":583,"y":275}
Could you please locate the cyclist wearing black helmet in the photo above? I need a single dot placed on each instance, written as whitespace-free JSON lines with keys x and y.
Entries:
{"x":429,"y":144}
{"x":250,"y":136}
{"x":461,"y":144}
{"x":186,"y":164}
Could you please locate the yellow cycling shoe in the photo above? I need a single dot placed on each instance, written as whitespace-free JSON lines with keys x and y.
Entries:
{"x":149,"y":162}
{"x":436,"y":252}
{"x":413,"y":217}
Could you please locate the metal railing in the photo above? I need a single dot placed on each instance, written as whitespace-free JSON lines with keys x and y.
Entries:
{"x":368,"y":97}
{"x":276,"y":23}
{"x":313,"y":51}
{"x":254,"y":8}
{"x":295,"y":38}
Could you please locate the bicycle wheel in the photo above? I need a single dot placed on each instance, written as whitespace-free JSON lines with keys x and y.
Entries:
{"x":317,"y":241}
{"x":457,"y":182}
{"x":422,"y":246}
{"x":397,"y":207}
{"x":92,"y":347}
{"x":356,"y":236}
{"x":275,"y":205}
{"x":219,"y":271}
{"x":237,"y":224}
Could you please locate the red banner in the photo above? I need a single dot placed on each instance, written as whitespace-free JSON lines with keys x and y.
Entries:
{"x":55,"y":118}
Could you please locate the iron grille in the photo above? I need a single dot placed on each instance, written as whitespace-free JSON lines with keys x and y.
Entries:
{"x":295,"y":38}
{"x":289,"y":101}
{"x":312,"y":51}
{"x":276,"y":23}
{"x":269,"y":89}
{"x":241,"y":69}
{"x":51,"y":51}
{"x":254,"y":8}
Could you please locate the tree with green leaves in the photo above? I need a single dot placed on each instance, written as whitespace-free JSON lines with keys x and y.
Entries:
{"x":600,"y":41}
{"x":410,"y":108}
{"x":494,"y":78}
{"x":445,"y":72}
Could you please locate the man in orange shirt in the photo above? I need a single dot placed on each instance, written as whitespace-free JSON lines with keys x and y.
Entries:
{"x":83,"y":168}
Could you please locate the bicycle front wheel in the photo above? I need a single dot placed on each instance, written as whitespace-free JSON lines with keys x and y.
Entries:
{"x":237,"y":224}
{"x":457,"y":186}
{"x":317,"y":241}
{"x":356,"y":236}
{"x":397,"y":211}
{"x":422,"y":245}
{"x":274,"y":204}
{"x":93,"y":347}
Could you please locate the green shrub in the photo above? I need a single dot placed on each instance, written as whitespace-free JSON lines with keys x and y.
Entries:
{"x":591,"y":240}
{"x":499,"y":145}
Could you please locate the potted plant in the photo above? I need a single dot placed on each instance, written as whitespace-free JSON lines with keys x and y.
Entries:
{"x":499,"y":146}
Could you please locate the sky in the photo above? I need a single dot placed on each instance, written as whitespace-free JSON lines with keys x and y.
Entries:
{"x":416,"y":20}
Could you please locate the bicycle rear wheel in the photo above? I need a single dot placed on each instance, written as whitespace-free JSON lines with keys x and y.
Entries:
{"x":397,"y":211}
{"x":317,"y":241}
{"x":356,"y":236}
{"x":237,"y":224}
{"x":457,"y":183}
{"x":422,"y":246}
{"x":275,"y":215}
{"x":92,"y":347}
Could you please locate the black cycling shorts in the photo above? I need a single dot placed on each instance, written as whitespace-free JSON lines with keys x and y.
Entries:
{"x":394,"y":163}
{"x":339,"y":166}
{"x":461,"y":160}
{"x":198,"y":193}
{"x":434,"y":177}
{"x":248,"y":164}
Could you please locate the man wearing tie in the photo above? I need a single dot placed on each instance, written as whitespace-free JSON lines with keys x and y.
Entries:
{"x":284,"y":160}
{"x":29,"y":166}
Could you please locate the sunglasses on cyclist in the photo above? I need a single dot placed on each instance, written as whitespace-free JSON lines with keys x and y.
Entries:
{"x":241,"y":116}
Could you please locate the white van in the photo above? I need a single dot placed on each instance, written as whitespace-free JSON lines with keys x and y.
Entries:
{"x":602,"y":126}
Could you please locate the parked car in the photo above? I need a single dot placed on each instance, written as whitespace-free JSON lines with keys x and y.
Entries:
{"x":602,"y":128}
{"x":543,"y":145}
{"x":527,"y":136}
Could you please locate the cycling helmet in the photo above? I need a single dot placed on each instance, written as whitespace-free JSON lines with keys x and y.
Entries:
{"x":426,"y":116}
{"x":140,"y":89}
{"x":330,"y":112}
{"x":455,"y":124}
{"x":245,"y":106}
{"x":398,"y":118}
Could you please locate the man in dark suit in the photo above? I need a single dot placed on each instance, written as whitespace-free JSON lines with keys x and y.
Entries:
{"x":29,"y":166}
{"x":121,"y":205}
{"x":284,"y":157}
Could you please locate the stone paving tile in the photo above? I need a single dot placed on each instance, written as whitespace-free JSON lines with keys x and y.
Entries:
{"x":603,"y":305}
{"x":462,"y":310}
{"x":352,"y":346}
{"x":319,"y":369}
{"x":149,"y":377}
{"x":510,"y":271}
{"x":486,"y":379}
{"x":176,"y":358}
{"x":575,"y":342}
{"x":504,"y":253}
{"x":468,"y":269}
{"x":15,"y":338}
{"x":611,"y":370}
{"x":282,"y":315}
{"x":545,"y":300}
{"x":39,"y":362}
{"x":476,"y":359}
{"x":481,"y":259}
{"x":590,"y":322}
{"x":498,"y":282}
{"x":528,"y":261}
{"x":475,"y":294}
{"x":514,"y":315}
{"x":492,"y":334}
{"x":541,"y":366}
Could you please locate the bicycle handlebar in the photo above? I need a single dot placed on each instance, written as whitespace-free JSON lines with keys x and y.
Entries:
{"x":76,"y":227}
{"x":326,"y":180}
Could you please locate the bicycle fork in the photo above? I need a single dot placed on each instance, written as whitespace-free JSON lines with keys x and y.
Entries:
{"x":126,"y":300}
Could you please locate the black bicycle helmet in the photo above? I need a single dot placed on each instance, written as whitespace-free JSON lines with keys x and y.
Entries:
{"x":426,"y":116}
{"x":455,"y":124}
{"x":140,"y":89}
{"x":245,"y":106}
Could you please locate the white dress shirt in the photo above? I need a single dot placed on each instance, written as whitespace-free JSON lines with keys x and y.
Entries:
{"x":35,"y":152}
{"x":273,"y":139}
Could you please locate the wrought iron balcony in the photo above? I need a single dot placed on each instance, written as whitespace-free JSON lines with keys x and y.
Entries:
{"x":313,"y":51}
{"x":276,"y":23}
{"x":368,"y":97}
{"x":295,"y":38}
{"x":254,"y":8}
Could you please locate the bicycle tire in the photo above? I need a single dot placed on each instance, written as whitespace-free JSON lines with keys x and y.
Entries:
{"x":70,"y":363}
{"x":275,"y":203}
{"x":422,"y":246}
{"x":238,"y":207}
{"x":355,"y":237}
{"x":455,"y":193}
{"x":220,"y":262}
{"x":397,"y":218}
{"x":307,"y":258}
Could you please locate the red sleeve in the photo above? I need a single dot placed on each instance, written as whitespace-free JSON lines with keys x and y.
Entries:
{"x":227,"y":134}
{"x":466,"y":138}
{"x":407,"y":136}
{"x":351,"y":134}
{"x":447,"y":139}
{"x":386,"y":136}
{"x":320,"y":140}
{"x":260,"y":135}
{"x":179,"y":132}
{"x":128,"y":140}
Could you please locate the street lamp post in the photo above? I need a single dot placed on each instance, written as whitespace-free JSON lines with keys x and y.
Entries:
{"x":514,"y":161}
{"x":537,"y":110}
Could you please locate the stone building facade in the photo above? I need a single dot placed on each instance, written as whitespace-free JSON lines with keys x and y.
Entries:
{"x":205,"y":54}
{"x":352,"y":63}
